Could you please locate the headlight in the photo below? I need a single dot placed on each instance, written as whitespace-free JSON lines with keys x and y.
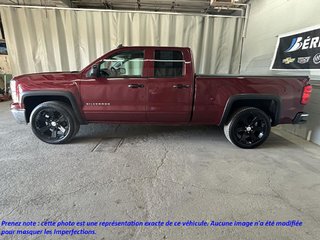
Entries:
{"x":13,"y":89}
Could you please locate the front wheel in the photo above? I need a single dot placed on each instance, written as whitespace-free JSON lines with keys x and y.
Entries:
{"x":249,"y":127}
{"x":53,"y":122}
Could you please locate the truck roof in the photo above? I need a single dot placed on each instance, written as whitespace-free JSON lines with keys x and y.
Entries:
{"x":153,"y":47}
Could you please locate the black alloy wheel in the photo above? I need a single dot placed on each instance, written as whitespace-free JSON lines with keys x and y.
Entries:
{"x":248,"y":128}
{"x":53,"y":122}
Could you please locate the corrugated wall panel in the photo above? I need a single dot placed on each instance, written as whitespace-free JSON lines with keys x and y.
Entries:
{"x":59,"y":39}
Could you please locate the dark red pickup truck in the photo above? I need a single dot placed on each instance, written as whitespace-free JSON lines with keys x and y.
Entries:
{"x":156,"y":85}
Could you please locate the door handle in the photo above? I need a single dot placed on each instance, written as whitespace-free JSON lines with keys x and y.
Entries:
{"x":135,"y":86}
{"x":181,"y":86}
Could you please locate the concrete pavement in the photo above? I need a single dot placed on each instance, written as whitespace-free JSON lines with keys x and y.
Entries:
{"x":157,"y":173}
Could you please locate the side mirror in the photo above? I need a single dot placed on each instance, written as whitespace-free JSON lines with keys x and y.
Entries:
{"x":95,"y":71}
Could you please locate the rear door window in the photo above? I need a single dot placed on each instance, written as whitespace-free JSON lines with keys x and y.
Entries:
{"x":168,"y":63}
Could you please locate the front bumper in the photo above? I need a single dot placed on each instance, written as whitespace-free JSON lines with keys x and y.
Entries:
{"x":300,"y":118}
{"x":19,"y":115}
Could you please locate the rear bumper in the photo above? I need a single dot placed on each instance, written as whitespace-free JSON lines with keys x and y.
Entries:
{"x":300,"y":118}
{"x":19,"y":115}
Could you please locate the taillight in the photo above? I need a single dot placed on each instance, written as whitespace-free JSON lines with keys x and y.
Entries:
{"x":306,"y":94}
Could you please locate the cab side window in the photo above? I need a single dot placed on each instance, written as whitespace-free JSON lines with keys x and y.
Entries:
{"x":123,"y":64}
{"x":168,"y":63}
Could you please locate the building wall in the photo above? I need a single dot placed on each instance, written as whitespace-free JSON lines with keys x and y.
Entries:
{"x":69,"y":39}
{"x":268,"y":19}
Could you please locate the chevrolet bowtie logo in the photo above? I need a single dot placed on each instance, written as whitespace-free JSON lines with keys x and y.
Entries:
{"x":288,"y":60}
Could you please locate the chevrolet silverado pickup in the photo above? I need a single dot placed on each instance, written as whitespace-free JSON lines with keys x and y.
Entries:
{"x":156,"y":85}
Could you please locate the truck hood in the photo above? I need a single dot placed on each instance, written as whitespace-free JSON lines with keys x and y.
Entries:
{"x":48,"y":76}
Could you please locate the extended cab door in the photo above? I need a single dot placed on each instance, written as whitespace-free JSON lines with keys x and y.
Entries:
{"x":118,"y":93}
{"x":170,"y":89}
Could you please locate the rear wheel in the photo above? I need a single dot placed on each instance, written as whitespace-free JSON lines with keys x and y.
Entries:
{"x":249,"y":127}
{"x":53,"y":122}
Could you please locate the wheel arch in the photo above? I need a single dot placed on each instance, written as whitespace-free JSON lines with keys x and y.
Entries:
{"x":270,"y":104}
{"x":34,"y":98}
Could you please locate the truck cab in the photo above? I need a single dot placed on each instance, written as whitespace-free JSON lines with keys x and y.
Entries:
{"x":156,"y":84}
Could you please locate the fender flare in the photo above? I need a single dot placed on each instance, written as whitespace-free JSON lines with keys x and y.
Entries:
{"x":66,"y":94}
{"x":238,"y":97}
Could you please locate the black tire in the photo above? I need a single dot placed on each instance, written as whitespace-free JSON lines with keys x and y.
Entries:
{"x":53,"y":122}
{"x":249,"y":127}
{"x":77,"y":127}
